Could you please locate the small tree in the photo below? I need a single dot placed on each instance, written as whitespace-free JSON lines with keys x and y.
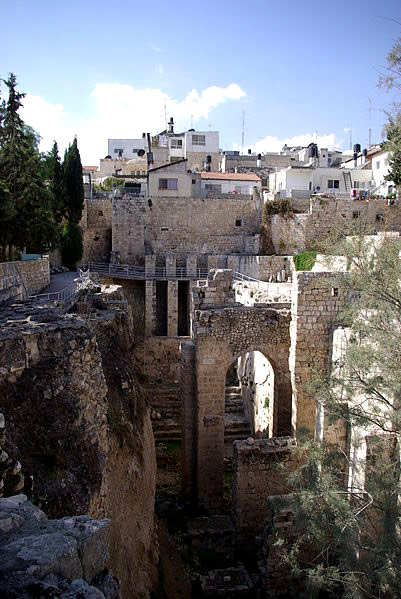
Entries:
{"x":352,"y":524}
{"x":71,"y":245}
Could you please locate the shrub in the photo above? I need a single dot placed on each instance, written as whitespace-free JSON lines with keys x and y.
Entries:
{"x":305,"y":260}
{"x":71,"y":245}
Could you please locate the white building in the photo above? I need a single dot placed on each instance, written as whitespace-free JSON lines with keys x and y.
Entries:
{"x":124,"y":149}
{"x":217,"y":183}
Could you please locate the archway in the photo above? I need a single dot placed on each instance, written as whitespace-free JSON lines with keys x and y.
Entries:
{"x":249,"y":398}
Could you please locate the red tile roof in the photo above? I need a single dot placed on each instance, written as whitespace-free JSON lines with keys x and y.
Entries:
{"x":230,"y":176}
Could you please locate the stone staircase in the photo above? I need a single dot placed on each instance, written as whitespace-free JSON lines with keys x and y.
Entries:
{"x":166,"y":401}
{"x":236,"y":423}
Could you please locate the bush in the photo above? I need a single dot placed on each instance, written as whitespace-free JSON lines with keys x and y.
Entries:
{"x":305,"y":260}
{"x":71,"y":245}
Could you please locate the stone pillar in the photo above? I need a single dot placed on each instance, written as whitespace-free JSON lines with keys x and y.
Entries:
{"x":150,"y":307}
{"x":191,"y":267}
{"x":212,"y":262}
{"x":172,"y":308}
{"x":233,"y":263}
{"x":171,"y":267}
{"x":150,"y":265}
{"x":210,"y":426}
{"x":188,"y":411}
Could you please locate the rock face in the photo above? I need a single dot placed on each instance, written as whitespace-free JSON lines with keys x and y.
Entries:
{"x":52,"y":558}
{"x":78,"y":421}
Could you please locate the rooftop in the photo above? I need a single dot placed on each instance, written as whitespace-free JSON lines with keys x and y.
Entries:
{"x":230,"y":176}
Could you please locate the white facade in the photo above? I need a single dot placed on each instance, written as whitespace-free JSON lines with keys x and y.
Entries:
{"x":125,"y":148}
{"x":380,"y":168}
{"x":215,"y":183}
{"x":319,"y":180}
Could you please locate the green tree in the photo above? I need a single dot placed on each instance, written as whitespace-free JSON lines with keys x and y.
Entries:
{"x":391,"y":80}
{"x":74,"y":185}
{"x":347,"y":508}
{"x":55,"y":177}
{"x":71,"y":245}
{"x":26,"y":201}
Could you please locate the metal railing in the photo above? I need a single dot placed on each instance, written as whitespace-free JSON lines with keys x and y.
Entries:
{"x":66,"y":293}
{"x":283,"y":289}
{"x":126,"y":271}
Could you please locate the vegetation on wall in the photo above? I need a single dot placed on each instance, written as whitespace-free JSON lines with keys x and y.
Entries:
{"x":280,"y":207}
{"x":305,"y":260}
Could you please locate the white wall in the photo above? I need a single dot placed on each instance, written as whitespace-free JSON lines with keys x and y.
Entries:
{"x":380,"y":169}
{"x":127,"y":145}
{"x":211,"y":142}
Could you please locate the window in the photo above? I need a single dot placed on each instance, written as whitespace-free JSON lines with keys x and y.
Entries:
{"x":380,"y":217}
{"x":378,"y":164}
{"x":193,"y":181}
{"x":310,"y":185}
{"x":168,"y":184}
{"x":334,"y":292}
{"x":238,"y":189}
{"x":118,"y":151}
{"x":333,"y":184}
{"x":213,"y":187}
{"x":359,"y":184}
{"x":356,"y":214}
{"x":238,"y":222}
{"x":163,"y":228}
{"x":135,"y":150}
{"x":176,"y":143}
{"x":198,"y":140}
{"x":328,"y":161}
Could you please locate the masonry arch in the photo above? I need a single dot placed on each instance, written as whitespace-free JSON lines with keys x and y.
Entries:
{"x":249,"y":398}
{"x":221,"y":337}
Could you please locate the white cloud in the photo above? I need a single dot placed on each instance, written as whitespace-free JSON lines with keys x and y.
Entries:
{"x":155,"y":48}
{"x":121,"y":111}
{"x":159,"y":69}
{"x":274,"y":144}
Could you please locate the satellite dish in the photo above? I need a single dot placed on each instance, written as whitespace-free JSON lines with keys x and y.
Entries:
{"x":141,"y":152}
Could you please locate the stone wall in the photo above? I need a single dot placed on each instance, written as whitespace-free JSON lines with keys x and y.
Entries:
{"x":263,"y":268}
{"x":185,"y":226}
{"x":327,"y":215}
{"x":256,"y":377}
{"x":86,"y":401}
{"x":35,"y":274}
{"x":317,"y":300}
{"x":66,"y":557}
{"x":257,"y":474}
{"x":96,"y":230}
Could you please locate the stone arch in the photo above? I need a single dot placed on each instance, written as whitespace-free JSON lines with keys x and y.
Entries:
{"x":219,"y":337}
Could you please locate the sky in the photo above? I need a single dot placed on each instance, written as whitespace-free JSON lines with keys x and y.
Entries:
{"x":282,"y":72}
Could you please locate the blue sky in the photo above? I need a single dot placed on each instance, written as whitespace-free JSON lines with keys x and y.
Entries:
{"x":107,"y":69}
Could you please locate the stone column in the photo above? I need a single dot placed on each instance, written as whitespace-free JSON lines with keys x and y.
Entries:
{"x":150,"y":265}
{"x":150,"y":307}
{"x":188,"y":411}
{"x":172,"y":308}
{"x":210,"y":377}
{"x":191,"y":267}
{"x":211,"y":262}
{"x":171,"y":266}
{"x":233,"y":263}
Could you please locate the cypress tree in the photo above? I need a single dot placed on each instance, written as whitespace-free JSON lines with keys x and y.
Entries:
{"x":55,"y":177}
{"x":74,"y":185}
